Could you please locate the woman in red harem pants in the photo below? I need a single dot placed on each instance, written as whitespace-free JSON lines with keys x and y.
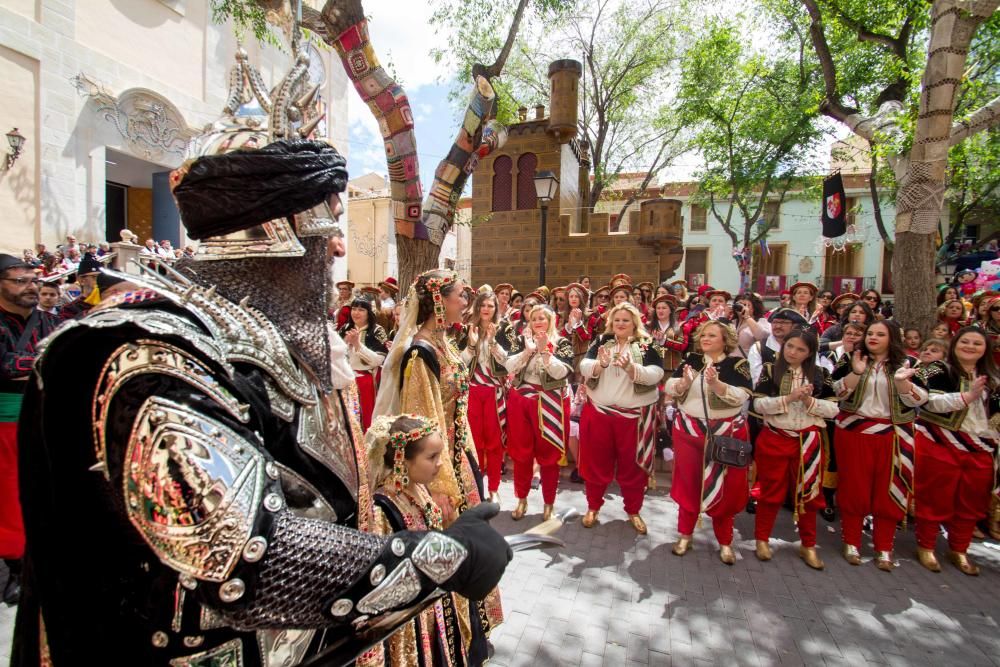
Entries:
{"x":699,"y":485}
{"x":366,"y":351}
{"x":874,"y":440}
{"x":487,"y":396}
{"x":954,"y":480}
{"x":618,"y":424}
{"x":792,"y":397}
{"x":538,"y":408}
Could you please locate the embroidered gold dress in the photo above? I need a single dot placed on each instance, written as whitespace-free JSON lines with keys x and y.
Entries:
{"x":433,"y":637}
{"x":435,"y":384}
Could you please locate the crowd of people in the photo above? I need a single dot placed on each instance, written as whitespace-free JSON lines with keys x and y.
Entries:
{"x":848,"y":414}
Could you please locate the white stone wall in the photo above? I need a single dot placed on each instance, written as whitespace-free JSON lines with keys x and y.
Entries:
{"x":169,"y":48}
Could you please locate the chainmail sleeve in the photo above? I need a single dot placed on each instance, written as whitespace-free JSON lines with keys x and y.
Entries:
{"x":307,"y":564}
{"x":200,"y":486}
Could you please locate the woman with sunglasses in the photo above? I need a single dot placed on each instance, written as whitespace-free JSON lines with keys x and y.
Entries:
{"x":874,"y":440}
{"x":992,"y":327}
{"x":956,"y":446}
{"x":874,"y":301}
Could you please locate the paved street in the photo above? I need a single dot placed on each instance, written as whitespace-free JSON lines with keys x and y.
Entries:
{"x":612,"y":598}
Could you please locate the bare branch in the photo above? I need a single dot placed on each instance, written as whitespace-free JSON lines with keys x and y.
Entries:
{"x":833,"y":105}
{"x":496,"y":68}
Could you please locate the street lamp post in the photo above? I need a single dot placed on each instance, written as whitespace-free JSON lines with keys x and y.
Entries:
{"x":545,"y":191}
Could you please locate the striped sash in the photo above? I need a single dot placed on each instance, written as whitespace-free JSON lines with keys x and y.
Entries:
{"x":481,"y":377}
{"x":901,"y":480}
{"x":963,"y":442}
{"x":645,"y":417}
{"x":550,"y":413}
{"x":713,"y":473}
{"x":809,"y":482}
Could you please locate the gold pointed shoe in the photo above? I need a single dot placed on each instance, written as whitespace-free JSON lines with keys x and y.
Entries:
{"x":763,"y":550}
{"x":928,"y":559}
{"x":638,"y":524}
{"x":589,"y":519}
{"x":727,"y":555}
{"x":962,"y":562}
{"x":811,"y":558}
{"x":852,"y":555}
{"x":494,"y":497}
{"x":682,"y":545}
{"x":520,"y":510}
{"x":547,"y":511}
{"x":883,"y":561}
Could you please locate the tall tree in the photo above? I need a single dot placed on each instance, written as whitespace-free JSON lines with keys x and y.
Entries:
{"x":754,"y":117}
{"x":627,"y":49}
{"x":893,"y":73}
{"x":420,"y":224}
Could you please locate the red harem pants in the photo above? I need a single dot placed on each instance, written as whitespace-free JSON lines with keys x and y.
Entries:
{"x":686,"y":487}
{"x":864,"y":462}
{"x":525,"y":445}
{"x":778,"y":458}
{"x":11,"y":523}
{"x":951,"y":487}
{"x":607,"y":451}
{"x":485,"y":426}
{"x":366,"y":395}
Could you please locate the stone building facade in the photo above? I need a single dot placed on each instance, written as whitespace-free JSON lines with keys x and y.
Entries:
{"x":107,"y":93}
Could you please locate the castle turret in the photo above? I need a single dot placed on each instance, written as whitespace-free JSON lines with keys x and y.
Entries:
{"x":564,"y":77}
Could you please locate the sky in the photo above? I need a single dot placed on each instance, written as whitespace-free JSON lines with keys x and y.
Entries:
{"x":403,"y":40}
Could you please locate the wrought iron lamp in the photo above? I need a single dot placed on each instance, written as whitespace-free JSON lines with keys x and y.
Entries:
{"x":545,"y":191}
{"x":16,"y":141}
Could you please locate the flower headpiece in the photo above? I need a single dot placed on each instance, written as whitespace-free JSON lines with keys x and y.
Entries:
{"x":434,"y":285}
{"x":398,"y":442}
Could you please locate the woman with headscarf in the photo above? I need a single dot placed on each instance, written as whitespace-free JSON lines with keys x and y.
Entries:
{"x":424,"y":374}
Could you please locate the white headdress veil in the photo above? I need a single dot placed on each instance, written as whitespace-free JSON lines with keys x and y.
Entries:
{"x":388,"y":400}
{"x":376,"y":440}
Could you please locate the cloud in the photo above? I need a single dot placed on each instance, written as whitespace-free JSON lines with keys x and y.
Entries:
{"x":401,"y":38}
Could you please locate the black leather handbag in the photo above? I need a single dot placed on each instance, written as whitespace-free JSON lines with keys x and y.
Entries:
{"x":724,"y":449}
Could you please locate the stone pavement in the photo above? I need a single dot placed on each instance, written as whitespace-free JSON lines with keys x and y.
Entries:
{"x":614,"y":598}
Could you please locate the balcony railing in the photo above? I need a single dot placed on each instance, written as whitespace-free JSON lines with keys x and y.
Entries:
{"x":844,"y":284}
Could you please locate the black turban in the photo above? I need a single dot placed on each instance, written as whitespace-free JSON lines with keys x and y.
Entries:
{"x":222,"y":194}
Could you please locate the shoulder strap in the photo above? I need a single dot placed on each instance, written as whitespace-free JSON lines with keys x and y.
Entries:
{"x":34,"y":320}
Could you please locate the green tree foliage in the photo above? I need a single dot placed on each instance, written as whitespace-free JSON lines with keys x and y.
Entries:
{"x":754,"y":116}
{"x":627,"y":51}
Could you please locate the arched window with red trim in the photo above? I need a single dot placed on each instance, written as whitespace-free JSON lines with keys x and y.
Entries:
{"x":526,"y":197}
{"x":503,"y":183}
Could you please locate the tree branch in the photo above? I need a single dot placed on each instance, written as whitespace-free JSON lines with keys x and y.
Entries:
{"x":983,"y":118}
{"x":496,"y":68}
{"x":832,"y":106}
{"x":876,"y":204}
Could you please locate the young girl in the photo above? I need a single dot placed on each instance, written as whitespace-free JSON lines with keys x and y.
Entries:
{"x":405,"y":453}
{"x":941,"y":331}
{"x":911,"y":342}
{"x":793,"y":396}
{"x":538,"y":407}
{"x":875,"y":440}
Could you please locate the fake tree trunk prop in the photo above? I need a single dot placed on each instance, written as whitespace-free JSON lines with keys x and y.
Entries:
{"x":420,"y":227}
{"x":922,"y":174}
